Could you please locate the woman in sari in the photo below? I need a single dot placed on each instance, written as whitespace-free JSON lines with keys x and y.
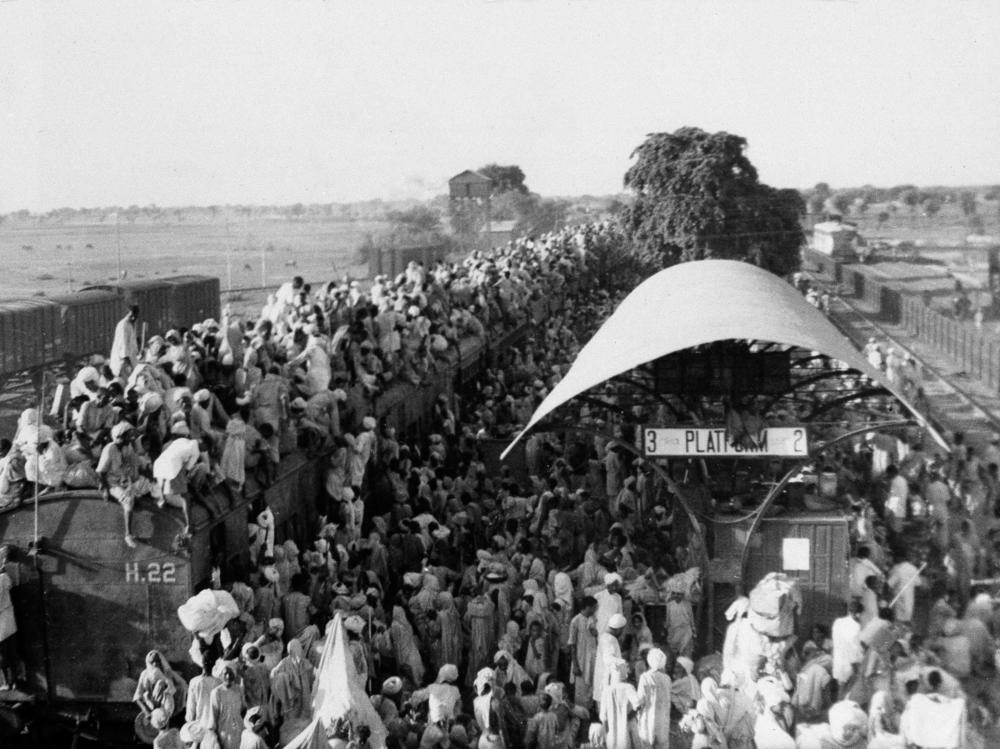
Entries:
{"x":404,"y":644}
{"x":449,"y":648}
{"x":291,"y":682}
{"x":159,"y":686}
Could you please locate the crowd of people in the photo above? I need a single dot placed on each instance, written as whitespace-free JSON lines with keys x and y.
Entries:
{"x":545,"y":610}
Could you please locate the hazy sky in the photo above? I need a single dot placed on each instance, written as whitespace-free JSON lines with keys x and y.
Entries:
{"x":107,"y":102}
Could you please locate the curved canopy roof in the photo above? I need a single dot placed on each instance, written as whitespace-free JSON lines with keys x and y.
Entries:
{"x":699,"y":302}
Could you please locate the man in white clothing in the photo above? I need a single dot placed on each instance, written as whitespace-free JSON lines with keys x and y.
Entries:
{"x":862,"y":567}
{"x":125,"y":345}
{"x":609,"y":602}
{"x":903,"y":580}
{"x":173,"y":467}
{"x":846,"y":636}
{"x":608,"y":649}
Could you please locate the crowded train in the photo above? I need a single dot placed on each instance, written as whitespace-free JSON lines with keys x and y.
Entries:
{"x":508,"y":609}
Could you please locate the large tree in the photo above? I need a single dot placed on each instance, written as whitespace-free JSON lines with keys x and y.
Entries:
{"x":505,"y":178}
{"x":698,"y":196}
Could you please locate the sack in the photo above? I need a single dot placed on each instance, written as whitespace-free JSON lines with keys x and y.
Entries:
{"x":81,"y":476}
{"x":774,"y":601}
{"x":208,"y":612}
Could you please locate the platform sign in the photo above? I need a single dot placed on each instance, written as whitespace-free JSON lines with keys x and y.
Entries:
{"x":709,"y":442}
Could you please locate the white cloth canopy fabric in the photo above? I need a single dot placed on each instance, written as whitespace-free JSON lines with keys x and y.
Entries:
{"x":338,"y":694}
{"x":699,"y":302}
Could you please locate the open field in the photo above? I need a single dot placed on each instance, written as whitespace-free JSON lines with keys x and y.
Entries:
{"x":948,"y":227}
{"x":64,"y":257}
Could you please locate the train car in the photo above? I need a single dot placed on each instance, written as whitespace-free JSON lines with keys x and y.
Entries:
{"x":153,"y":298}
{"x":88,"y":321}
{"x":40,"y":332}
{"x":89,"y":608}
{"x":31,"y":335}
{"x":192,"y":299}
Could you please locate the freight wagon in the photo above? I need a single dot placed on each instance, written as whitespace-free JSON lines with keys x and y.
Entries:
{"x":40,"y":333}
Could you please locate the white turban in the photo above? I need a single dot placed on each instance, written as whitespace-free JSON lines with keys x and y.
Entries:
{"x":656,"y":659}
{"x":617,"y":621}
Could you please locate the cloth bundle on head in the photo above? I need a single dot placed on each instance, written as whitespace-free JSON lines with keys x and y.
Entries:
{"x":208,"y":612}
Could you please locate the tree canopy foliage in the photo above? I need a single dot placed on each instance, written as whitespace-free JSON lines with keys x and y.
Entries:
{"x":698,"y":196}
{"x":505,"y":178}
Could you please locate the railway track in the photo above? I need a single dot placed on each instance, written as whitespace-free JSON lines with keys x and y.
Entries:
{"x":956,"y":403}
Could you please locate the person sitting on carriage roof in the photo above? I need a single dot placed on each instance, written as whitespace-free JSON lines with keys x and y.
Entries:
{"x":120,"y":472}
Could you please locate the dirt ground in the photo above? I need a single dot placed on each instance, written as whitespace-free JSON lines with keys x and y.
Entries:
{"x":260,"y":252}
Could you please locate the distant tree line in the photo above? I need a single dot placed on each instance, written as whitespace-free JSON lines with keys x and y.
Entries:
{"x":823,"y":200}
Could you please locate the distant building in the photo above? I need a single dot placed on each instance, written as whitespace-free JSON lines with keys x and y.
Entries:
{"x":836,"y":239}
{"x":470,"y":185}
{"x":499,"y":232}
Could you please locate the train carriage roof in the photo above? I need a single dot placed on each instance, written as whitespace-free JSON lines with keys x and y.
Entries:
{"x":700,"y":302}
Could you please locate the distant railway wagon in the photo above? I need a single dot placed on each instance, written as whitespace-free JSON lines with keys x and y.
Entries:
{"x":46,"y":332}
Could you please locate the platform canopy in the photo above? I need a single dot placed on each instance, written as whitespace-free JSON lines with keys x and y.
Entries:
{"x":696,"y":303}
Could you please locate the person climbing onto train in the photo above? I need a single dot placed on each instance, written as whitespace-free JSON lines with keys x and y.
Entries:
{"x":172,"y":470}
{"x":120,"y":470}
